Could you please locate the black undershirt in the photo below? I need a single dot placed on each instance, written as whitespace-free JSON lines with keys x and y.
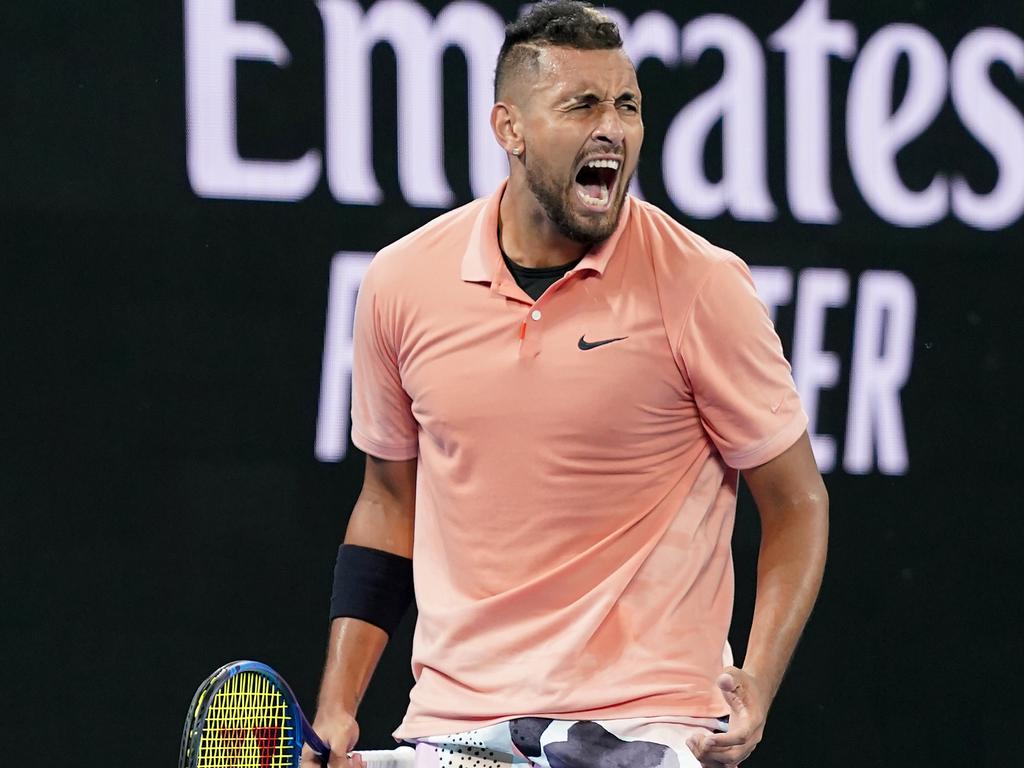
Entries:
{"x":536,"y":280}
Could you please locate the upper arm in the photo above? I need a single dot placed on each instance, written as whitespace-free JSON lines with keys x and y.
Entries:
{"x":384,"y":514}
{"x":788,"y":483}
{"x":383,"y":425}
{"x":382,"y":420}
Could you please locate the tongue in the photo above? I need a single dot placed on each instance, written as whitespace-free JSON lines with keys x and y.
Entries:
{"x":592,"y":190}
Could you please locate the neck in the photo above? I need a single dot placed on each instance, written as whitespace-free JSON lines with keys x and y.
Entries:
{"x":527,"y":235}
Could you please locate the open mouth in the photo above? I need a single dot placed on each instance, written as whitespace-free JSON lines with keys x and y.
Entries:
{"x":595,"y":181}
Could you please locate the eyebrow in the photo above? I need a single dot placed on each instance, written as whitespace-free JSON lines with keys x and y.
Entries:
{"x":591,"y":96}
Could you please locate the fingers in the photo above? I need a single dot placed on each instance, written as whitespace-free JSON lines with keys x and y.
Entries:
{"x":701,"y":746}
{"x":729,"y":748}
{"x":334,"y":728}
{"x":746,"y":722}
{"x":732,"y":689}
{"x":725,"y":750}
{"x":736,"y":735}
{"x":733,"y":756}
{"x":727,"y":682}
{"x":311,"y":759}
{"x":722,"y":760}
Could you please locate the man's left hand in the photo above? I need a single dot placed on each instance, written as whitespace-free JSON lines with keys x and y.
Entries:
{"x":748,"y":705}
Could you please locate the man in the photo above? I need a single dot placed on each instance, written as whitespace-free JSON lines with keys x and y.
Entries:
{"x":556,"y":388}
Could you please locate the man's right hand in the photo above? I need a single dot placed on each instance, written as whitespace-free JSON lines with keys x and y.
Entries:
{"x":340,"y":731}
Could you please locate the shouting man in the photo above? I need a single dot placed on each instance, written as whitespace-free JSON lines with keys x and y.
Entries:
{"x":556,"y":388}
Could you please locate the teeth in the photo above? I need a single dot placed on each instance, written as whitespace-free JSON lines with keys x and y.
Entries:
{"x":602,"y":200}
{"x":613,"y":164}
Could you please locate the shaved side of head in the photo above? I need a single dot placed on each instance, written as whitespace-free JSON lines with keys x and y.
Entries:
{"x":566,"y":23}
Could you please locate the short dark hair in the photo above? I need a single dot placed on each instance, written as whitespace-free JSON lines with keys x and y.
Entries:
{"x":567,"y":23}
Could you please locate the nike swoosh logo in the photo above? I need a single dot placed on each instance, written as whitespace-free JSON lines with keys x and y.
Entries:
{"x":584,"y":344}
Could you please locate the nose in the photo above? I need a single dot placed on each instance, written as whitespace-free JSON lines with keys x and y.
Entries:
{"x":609,"y":128}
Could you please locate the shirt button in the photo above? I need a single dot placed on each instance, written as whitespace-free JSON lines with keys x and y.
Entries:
{"x":535,"y":314}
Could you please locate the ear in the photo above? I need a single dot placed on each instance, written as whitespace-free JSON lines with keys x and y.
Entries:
{"x":505,"y":122}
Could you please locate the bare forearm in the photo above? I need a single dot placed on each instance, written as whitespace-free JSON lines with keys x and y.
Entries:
{"x":383,"y":519}
{"x":353,"y":651}
{"x":790,"y":566}
{"x":793,"y":505}
{"x":794,"y":531}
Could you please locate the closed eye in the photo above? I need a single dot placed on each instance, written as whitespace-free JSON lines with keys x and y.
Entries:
{"x":626,"y":104}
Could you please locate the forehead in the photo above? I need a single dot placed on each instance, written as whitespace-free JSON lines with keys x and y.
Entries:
{"x":566,"y":72}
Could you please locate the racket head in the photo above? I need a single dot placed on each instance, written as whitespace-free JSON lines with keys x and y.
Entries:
{"x":244,"y":715}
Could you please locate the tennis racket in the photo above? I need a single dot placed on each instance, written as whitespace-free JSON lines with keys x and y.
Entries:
{"x":244,"y":715}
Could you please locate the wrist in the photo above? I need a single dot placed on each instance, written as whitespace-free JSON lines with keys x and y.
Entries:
{"x":336,"y":705}
{"x":337,"y":697}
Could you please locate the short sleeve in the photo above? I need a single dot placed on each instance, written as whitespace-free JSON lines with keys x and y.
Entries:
{"x":741,"y":381}
{"x":382,"y":420}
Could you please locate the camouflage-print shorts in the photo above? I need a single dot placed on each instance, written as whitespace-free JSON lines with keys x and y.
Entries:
{"x":536,"y":741}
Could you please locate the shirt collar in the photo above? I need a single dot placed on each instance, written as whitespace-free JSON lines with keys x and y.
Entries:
{"x":482,"y":262}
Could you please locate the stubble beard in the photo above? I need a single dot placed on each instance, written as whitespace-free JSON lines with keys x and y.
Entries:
{"x":556,"y":204}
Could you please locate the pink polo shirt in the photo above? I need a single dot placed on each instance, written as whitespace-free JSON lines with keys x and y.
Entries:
{"x":574,"y":503}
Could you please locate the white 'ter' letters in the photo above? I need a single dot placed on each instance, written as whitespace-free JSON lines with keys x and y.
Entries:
{"x":883,"y":349}
{"x":214,"y":41}
{"x":875,"y":133}
{"x":738,"y":100}
{"x":994,"y":121}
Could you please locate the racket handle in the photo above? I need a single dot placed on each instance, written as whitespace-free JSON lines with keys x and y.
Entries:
{"x":403,"y":757}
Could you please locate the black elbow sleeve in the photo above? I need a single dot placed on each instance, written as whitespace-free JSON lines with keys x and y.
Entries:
{"x":372,"y":585}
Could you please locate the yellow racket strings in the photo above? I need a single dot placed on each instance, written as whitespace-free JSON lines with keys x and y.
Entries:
{"x":247,"y":726}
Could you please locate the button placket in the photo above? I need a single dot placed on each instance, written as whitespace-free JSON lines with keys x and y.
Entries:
{"x":530,"y":328}
{"x":529,"y":332}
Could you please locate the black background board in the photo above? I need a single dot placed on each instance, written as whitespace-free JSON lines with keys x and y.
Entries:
{"x":162,"y":507}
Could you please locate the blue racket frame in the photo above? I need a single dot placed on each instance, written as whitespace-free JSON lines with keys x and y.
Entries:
{"x":198,"y":710}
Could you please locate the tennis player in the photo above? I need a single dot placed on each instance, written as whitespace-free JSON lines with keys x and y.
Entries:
{"x":556,"y":388}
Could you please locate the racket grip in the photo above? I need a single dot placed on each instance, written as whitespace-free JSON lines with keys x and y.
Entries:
{"x":403,"y":757}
